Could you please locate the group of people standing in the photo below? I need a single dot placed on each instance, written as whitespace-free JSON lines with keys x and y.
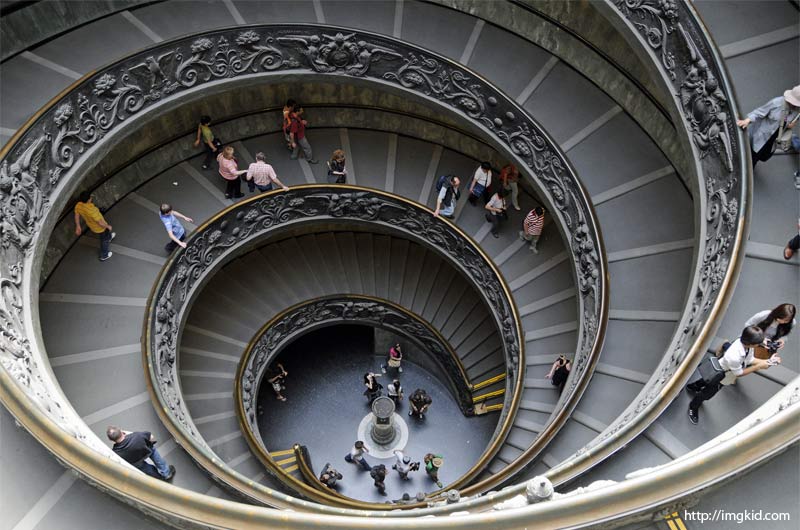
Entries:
{"x":757,"y":348}
{"x":419,"y":402}
{"x":495,"y":199}
{"x":403,"y":465}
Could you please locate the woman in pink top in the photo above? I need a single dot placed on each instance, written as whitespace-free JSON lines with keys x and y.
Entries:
{"x":230,"y":172}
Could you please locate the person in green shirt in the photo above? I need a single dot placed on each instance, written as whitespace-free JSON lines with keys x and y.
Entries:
{"x":206,"y":136}
{"x":432,"y":464}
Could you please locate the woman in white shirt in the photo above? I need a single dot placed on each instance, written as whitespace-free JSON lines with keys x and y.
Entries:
{"x":481,"y":182}
{"x":775,"y":324}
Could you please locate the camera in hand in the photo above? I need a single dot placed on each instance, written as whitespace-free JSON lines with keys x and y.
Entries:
{"x":772,"y":346}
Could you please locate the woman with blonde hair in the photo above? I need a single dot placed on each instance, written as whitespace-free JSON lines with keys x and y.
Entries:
{"x":230,"y":171}
{"x":337,"y":174}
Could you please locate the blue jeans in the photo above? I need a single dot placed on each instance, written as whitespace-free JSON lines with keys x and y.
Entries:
{"x":159,"y":470}
{"x":105,"y":242}
{"x":447,"y":211}
{"x":361,"y":461}
{"x":263,"y":189}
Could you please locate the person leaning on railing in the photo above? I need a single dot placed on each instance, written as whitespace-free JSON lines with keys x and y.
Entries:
{"x":737,"y":361}
{"x":776,"y":324}
{"x":770,"y":125}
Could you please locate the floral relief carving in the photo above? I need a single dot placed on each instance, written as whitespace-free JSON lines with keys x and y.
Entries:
{"x":36,"y":165}
{"x":220,"y":240}
{"x":335,"y":309}
{"x":708,"y":119}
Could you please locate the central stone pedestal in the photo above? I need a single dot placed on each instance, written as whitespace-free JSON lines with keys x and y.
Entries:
{"x":383,"y":431}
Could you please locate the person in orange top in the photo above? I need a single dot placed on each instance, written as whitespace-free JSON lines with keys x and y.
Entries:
{"x":86,"y":210}
{"x":509,"y":176}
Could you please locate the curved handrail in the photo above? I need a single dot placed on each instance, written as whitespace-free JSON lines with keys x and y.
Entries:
{"x":673,"y":32}
{"x":302,"y":318}
{"x":44,"y":158}
{"x":719,"y":286}
{"x":253,"y":221}
{"x":691,"y":66}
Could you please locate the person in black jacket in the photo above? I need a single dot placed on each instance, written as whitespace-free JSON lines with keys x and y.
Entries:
{"x":378,"y":474}
{"x":136,"y":447}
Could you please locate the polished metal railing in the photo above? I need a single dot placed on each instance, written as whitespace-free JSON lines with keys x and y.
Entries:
{"x":300,"y":319}
{"x":253,"y":222}
{"x":43,"y":164}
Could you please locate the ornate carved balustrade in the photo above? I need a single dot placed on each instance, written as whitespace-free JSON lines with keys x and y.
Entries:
{"x":300,"y":319}
{"x":253,"y":222}
{"x":693,"y":71}
{"x":42,"y":165}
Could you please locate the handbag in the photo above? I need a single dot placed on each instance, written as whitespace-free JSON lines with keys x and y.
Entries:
{"x":784,"y":139}
{"x":394,"y":363}
{"x":711,"y":372}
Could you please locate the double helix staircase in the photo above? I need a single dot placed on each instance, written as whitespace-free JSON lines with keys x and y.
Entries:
{"x":91,"y":312}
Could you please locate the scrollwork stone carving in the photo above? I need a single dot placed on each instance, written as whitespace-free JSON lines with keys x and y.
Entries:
{"x":297,"y":321}
{"x":708,"y":118}
{"x":43,"y":160}
{"x":251,"y":220}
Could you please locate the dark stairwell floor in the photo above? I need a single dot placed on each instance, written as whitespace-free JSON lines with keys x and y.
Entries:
{"x":325,"y":404}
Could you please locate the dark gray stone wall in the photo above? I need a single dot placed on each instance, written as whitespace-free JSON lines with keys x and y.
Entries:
{"x":31,"y":25}
{"x":589,"y":20}
{"x":152,"y":148}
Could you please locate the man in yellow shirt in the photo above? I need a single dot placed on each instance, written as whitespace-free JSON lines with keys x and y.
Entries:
{"x":86,"y":210}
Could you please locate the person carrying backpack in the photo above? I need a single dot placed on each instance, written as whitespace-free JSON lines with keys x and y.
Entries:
{"x":447,"y":186}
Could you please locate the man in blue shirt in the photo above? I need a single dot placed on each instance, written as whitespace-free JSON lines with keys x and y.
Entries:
{"x":176,"y":231}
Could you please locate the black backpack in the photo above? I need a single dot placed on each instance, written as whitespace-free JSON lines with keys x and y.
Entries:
{"x":447,"y":180}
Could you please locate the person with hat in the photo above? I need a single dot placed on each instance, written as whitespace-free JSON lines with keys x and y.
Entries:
{"x":770,"y":124}
{"x":404,"y":465}
{"x":432,"y":465}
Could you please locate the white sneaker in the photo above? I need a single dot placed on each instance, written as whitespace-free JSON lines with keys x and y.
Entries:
{"x":113,"y":235}
{"x":108,"y":256}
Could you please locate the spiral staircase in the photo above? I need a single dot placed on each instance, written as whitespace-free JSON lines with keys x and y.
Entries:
{"x":609,"y":115}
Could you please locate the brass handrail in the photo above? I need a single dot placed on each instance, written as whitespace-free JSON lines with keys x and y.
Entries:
{"x":71,"y":138}
{"x":218,"y":228}
{"x":488,"y":382}
{"x":249,"y":428}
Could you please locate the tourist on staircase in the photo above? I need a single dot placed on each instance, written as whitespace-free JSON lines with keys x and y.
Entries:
{"x":481,"y":183}
{"x":229,"y":170}
{"x":175,"y":230}
{"x":210,"y":143}
{"x":737,"y":361}
{"x":776,"y":324}
{"x":136,"y":448}
{"x":448,"y":195}
{"x":532,"y":228}
{"x":770,"y":125}
{"x":86,"y":210}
